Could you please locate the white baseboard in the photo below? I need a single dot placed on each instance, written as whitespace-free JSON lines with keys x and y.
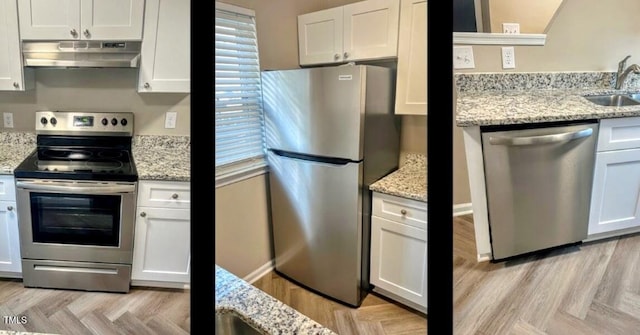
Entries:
{"x":261,"y":271}
{"x":462,"y":209}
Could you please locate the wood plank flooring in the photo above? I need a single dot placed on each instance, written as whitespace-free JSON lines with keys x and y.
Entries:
{"x":593,"y":288}
{"x":152,"y":311}
{"x":376,"y":315}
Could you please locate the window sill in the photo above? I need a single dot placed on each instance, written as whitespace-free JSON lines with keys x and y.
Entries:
{"x":235,"y":177}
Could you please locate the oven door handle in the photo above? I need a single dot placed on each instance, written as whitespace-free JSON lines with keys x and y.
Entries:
{"x":87,"y":188}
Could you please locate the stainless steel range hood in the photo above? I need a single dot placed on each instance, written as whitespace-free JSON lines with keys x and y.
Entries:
{"x":72,"y":54}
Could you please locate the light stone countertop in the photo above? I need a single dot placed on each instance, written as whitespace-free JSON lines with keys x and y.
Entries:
{"x":16,"y":146}
{"x":533,"y":106}
{"x":259,"y":309}
{"x":162,"y":157}
{"x":155,"y":157}
{"x":503,"y":98}
{"x":409,"y":181}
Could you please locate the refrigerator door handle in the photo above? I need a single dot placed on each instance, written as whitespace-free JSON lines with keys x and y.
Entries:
{"x":311,"y":158}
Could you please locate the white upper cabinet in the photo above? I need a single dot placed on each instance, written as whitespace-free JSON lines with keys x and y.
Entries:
{"x":13,"y":77}
{"x":411,"y":83}
{"x":165,"y":56}
{"x":81,"y":19}
{"x":320,"y":36}
{"x":365,"y":30}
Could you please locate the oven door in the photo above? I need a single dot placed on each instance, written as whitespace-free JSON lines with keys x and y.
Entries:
{"x":76,"y":220}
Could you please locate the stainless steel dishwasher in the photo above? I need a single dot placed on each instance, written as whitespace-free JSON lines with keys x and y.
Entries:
{"x":538,"y":183}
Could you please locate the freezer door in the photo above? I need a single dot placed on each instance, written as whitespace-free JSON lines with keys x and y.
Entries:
{"x":318,"y":111}
{"x":317,"y":224}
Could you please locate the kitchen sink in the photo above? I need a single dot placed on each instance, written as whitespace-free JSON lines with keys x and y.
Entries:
{"x":232,"y":324}
{"x":614,"y":99}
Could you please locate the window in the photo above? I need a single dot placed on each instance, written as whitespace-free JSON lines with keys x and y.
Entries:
{"x":239,"y":125}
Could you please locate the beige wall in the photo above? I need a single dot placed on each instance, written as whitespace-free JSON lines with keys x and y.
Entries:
{"x":533,"y":16}
{"x":108,"y":90}
{"x":242,"y":235}
{"x":413,"y":136}
{"x":586,"y":35}
{"x":277,"y":28}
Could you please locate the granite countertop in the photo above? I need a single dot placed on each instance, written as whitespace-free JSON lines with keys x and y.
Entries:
{"x":261,"y":310}
{"x":16,"y":146}
{"x":518,"y":98}
{"x":409,"y":181}
{"x":156,"y":157}
{"x":517,"y":107}
{"x":162,"y":157}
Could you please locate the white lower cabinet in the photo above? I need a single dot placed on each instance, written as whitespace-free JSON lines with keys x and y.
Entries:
{"x":615,"y":196}
{"x":399,"y":250}
{"x":162,"y":245}
{"x":615,"y":200}
{"x":10,"y":261}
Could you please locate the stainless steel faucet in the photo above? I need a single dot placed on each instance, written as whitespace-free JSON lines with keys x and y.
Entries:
{"x":623,"y":73}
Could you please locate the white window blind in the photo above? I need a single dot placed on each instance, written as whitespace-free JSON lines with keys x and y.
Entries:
{"x":239,"y":126}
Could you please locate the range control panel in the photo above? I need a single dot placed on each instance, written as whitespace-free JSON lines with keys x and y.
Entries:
{"x":91,"y":123}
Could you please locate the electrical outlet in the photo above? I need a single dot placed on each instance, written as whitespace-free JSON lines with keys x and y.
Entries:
{"x":8,"y":120}
{"x":508,"y":58}
{"x":463,"y":57}
{"x":170,"y":119}
{"x":511,"y":28}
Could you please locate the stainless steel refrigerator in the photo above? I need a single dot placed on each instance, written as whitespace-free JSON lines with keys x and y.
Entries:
{"x":330,"y":133}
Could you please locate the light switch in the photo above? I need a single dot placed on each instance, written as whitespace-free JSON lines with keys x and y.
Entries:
{"x":463,"y":57}
{"x":170,"y":119}
{"x":511,"y":28}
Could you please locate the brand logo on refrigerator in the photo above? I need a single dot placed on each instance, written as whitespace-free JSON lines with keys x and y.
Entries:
{"x":344,"y":77}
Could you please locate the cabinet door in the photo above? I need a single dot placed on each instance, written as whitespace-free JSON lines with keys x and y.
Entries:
{"x":165,"y":56}
{"x":371,"y":30}
{"x":619,"y":133}
{"x":9,"y":239}
{"x":399,"y":259}
{"x":11,"y":75}
{"x":162,"y":245}
{"x":49,"y":19}
{"x":411,"y":87}
{"x":320,"y":37}
{"x":615,"y":201}
{"x":164,"y":194}
{"x":111,"y":19}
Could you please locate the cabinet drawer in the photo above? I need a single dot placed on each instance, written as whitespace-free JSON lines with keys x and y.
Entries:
{"x":401,"y":210}
{"x":7,"y":188}
{"x":164,"y":194}
{"x":619,"y":133}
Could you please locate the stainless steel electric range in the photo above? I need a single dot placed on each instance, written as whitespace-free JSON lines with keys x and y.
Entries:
{"x":76,"y":198}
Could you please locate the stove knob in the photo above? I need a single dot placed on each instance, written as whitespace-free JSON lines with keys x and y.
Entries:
{"x":43,"y":120}
{"x":123,"y":122}
{"x":114,"y":121}
{"x":53,"y":121}
{"x":105,"y":121}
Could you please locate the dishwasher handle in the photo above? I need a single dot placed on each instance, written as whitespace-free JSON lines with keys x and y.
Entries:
{"x":541,"y":139}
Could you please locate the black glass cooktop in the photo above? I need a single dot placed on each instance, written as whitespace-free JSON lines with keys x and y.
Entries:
{"x":79,"y":162}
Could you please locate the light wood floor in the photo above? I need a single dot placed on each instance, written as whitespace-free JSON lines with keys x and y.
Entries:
{"x":375,"y":316}
{"x":593,"y":288}
{"x":142,"y":311}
